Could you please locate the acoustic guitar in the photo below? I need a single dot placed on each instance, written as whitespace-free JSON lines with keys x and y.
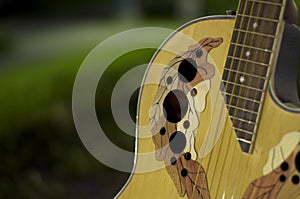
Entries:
{"x":218,"y":112}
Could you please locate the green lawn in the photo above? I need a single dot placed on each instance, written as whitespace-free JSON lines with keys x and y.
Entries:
{"x":42,"y":154}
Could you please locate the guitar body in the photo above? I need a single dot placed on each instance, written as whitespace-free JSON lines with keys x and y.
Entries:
{"x":210,"y":162}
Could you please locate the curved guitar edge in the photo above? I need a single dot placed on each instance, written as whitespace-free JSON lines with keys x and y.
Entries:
{"x":281,"y":172}
{"x":283,"y":120}
{"x":199,"y":20}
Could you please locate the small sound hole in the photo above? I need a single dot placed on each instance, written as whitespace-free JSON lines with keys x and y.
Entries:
{"x":177,"y":142}
{"x":187,"y":70}
{"x":175,"y":106}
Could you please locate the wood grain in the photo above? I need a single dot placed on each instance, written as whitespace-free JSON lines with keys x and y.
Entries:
{"x":228,"y":171}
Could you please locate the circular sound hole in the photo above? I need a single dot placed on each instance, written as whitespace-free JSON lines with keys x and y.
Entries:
{"x":162,"y":131}
{"x":175,"y":106}
{"x":297,"y":161}
{"x":177,"y":142}
{"x":184,"y":172}
{"x":186,"y":124}
{"x":295,"y":179}
{"x":173,"y":160}
{"x":282,"y":178}
{"x":169,"y":80}
{"x":193,"y":92}
{"x":284,"y":166}
{"x":187,"y":70}
{"x":199,"y":53}
{"x":188,"y":156}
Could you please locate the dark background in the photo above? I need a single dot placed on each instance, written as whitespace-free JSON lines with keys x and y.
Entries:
{"x":42,"y":44}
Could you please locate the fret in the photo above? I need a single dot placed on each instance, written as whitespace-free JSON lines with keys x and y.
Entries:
{"x":244,"y":140}
{"x":274,"y":1}
{"x":243,"y":80}
{"x":250,"y":68}
{"x":254,"y":8}
{"x":243,"y":86}
{"x":239,"y":102}
{"x":257,"y":17}
{"x":251,"y":47}
{"x":246,"y":70}
{"x":256,"y":24}
{"x":267,"y":2}
{"x":241,"y":109}
{"x":239,"y":97}
{"x":243,"y":130}
{"x":244,"y":73}
{"x":253,"y":55}
{"x":242,"y":120}
{"x":241,"y":134}
{"x":250,"y":61}
{"x":243,"y":92}
{"x":243,"y":115}
{"x":252,"y":40}
{"x":246,"y":147}
{"x":254,"y":33}
{"x":277,"y":1}
{"x":246,"y":125}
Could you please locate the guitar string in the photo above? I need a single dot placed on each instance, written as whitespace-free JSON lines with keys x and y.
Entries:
{"x":235,"y":188}
{"x":247,"y":170}
{"x":243,"y":49}
{"x":231,"y":97}
{"x":246,"y":64}
{"x":199,"y":167}
{"x":244,"y":166}
{"x":200,"y":164}
{"x":245,"y":37}
{"x":280,"y":18}
{"x":206,"y":144}
{"x":235,"y":161}
{"x":255,"y":96}
{"x":223,"y":132}
{"x":220,"y":146}
{"x":213,"y":149}
{"x":276,"y":15}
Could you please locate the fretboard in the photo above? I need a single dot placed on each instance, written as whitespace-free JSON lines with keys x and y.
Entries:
{"x":246,"y":73}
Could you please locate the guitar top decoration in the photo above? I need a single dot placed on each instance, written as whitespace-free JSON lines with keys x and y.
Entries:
{"x":216,"y":127}
{"x":284,"y":176}
{"x":174,"y":117}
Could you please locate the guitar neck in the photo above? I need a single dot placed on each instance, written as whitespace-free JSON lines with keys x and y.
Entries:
{"x":247,"y":70}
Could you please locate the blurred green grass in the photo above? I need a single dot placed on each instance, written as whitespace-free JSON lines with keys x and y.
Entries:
{"x":42,"y":153}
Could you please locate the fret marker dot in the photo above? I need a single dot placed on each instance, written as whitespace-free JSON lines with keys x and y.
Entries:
{"x":242,"y":79}
{"x":248,"y":53}
{"x":255,"y":24}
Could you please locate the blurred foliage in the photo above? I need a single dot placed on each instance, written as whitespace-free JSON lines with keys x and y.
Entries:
{"x":37,"y":141}
{"x":41,"y":153}
{"x":108,"y":81}
{"x":157,"y":8}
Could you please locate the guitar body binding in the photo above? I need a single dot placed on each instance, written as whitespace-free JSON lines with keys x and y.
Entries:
{"x":225,"y":170}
